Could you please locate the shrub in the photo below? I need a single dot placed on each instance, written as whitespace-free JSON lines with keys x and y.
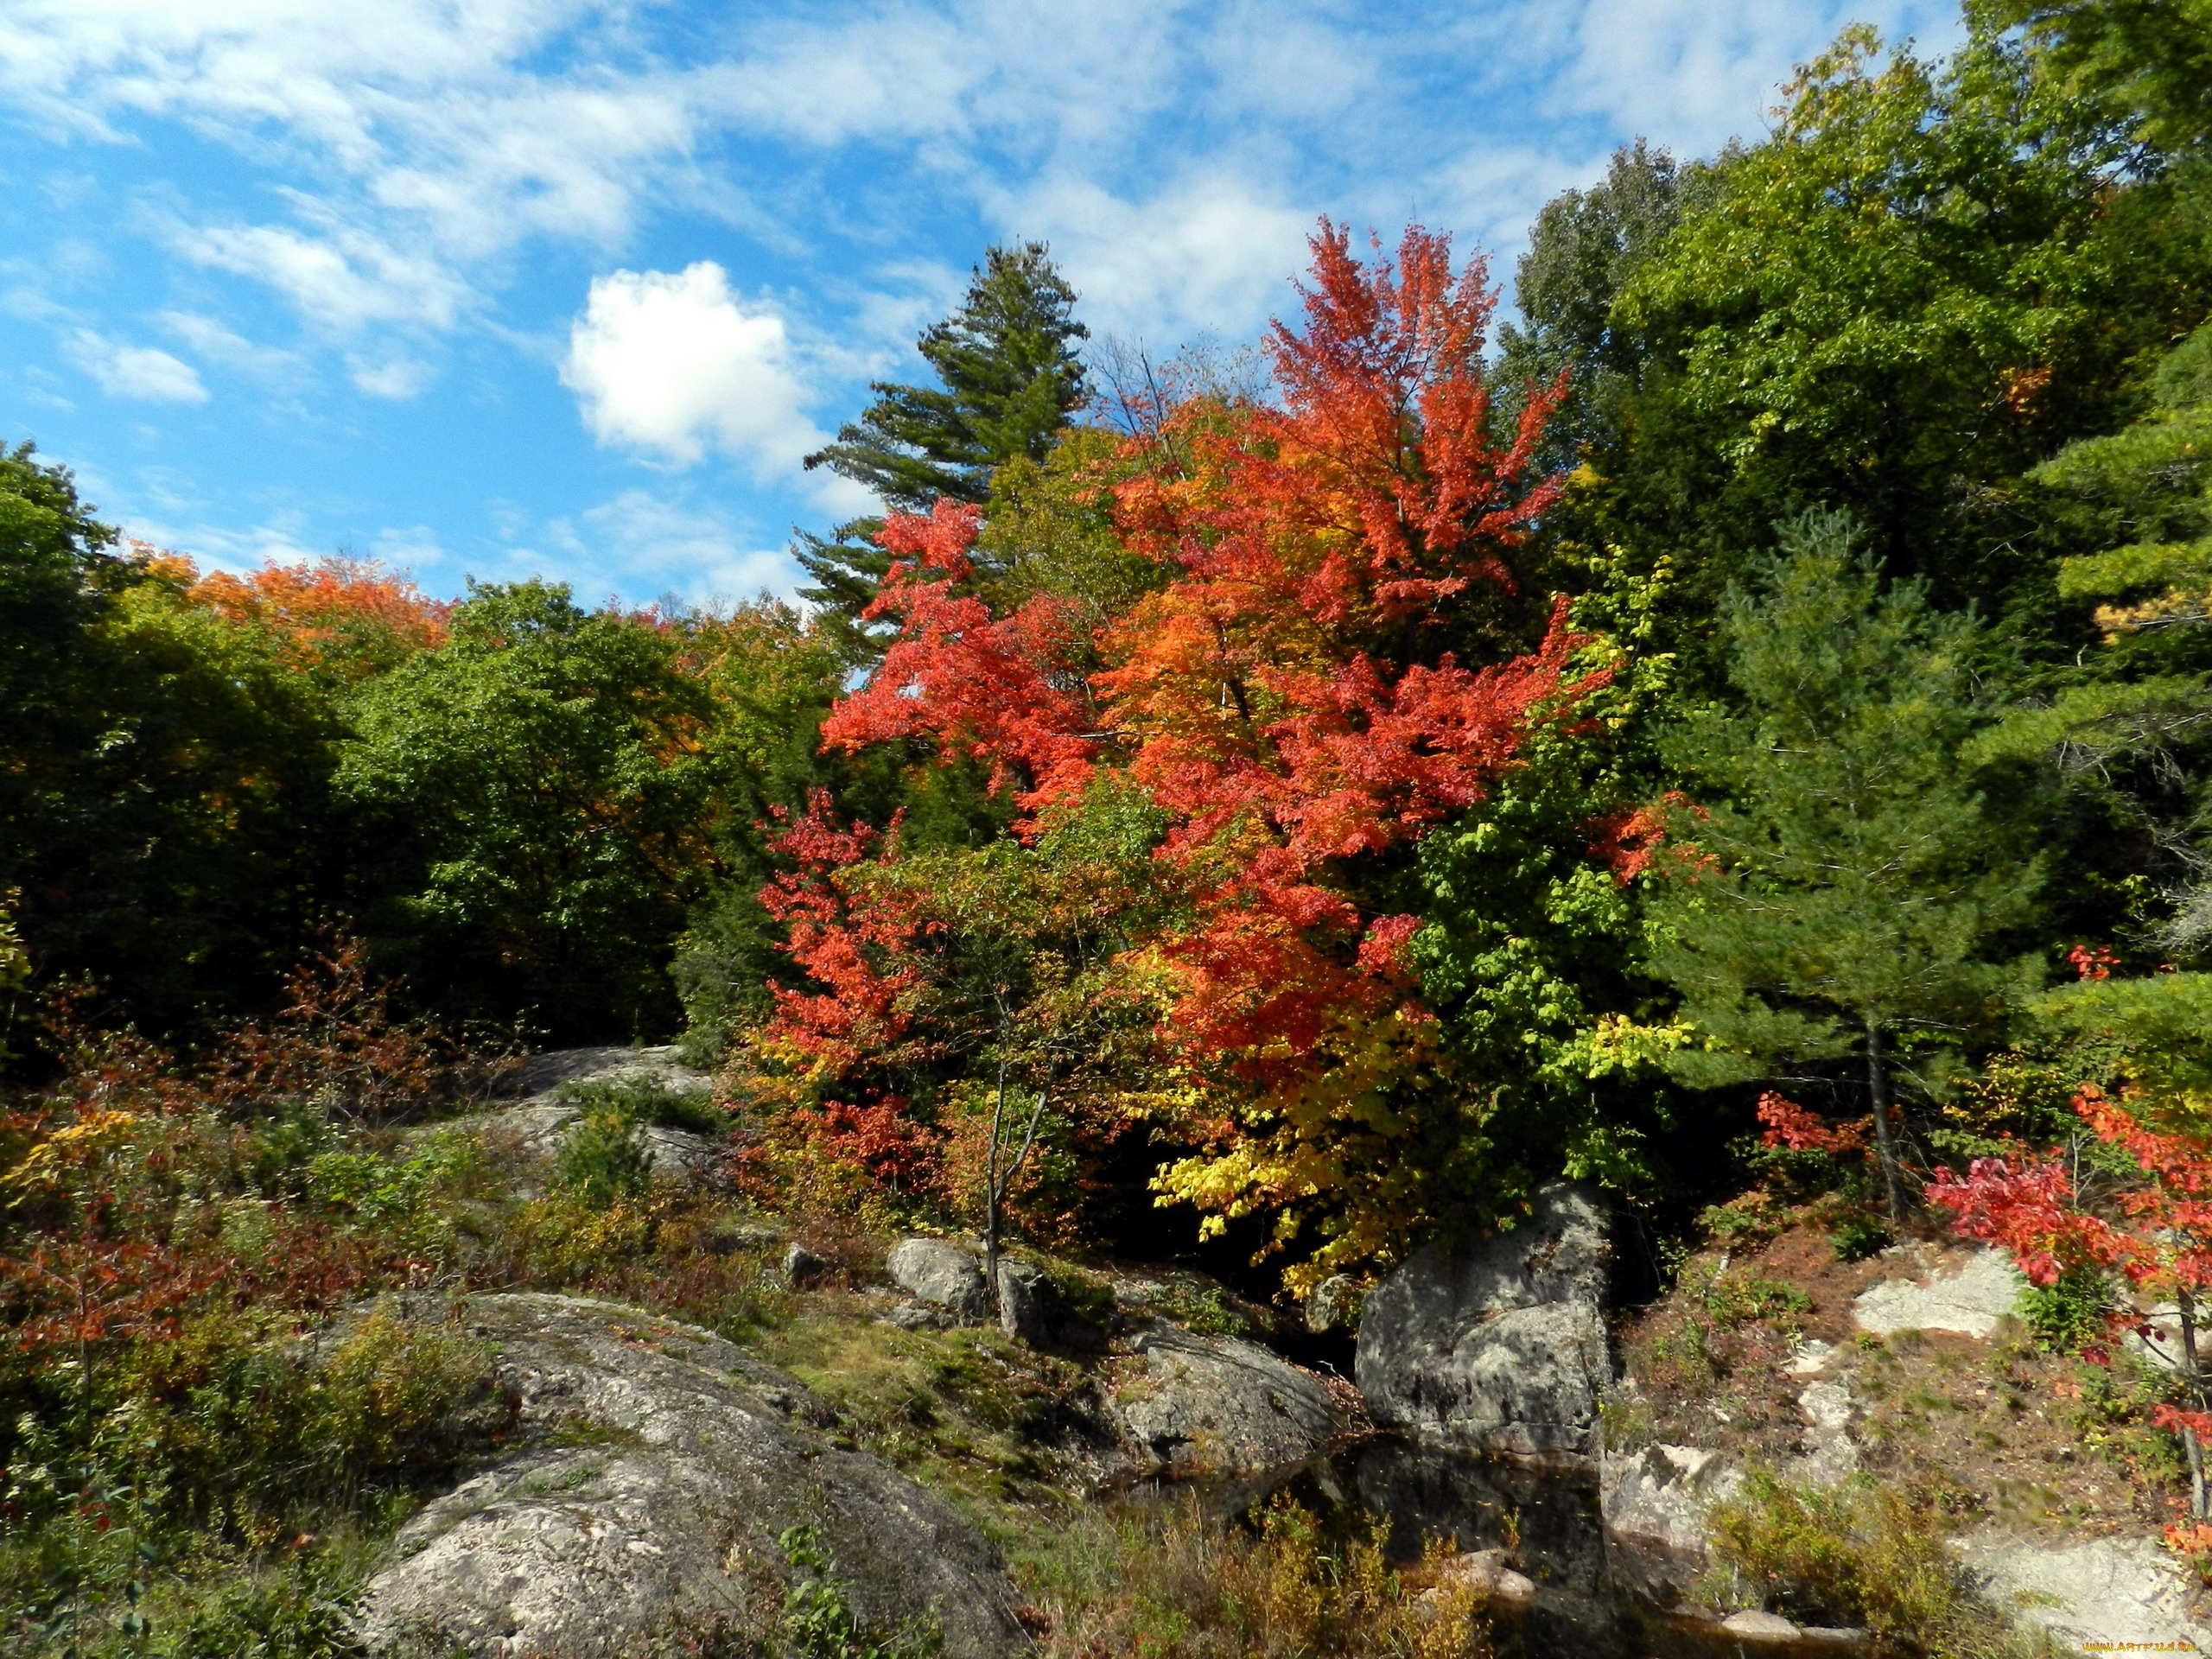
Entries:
{"x":819,"y":1622}
{"x":649,"y":1100}
{"x":1860,"y":1237}
{"x":603,"y":1160}
{"x":2070,"y":1315}
{"x":1858,"y":1553}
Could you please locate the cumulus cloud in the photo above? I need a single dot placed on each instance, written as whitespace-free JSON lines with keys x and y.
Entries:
{"x":669,"y":362}
{"x":1208,"y":255}
{"x":138,"y":372}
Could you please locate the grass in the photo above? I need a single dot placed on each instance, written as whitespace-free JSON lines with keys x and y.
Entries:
{"x":1860,"y":1553}
{"x":1180,"y":1586}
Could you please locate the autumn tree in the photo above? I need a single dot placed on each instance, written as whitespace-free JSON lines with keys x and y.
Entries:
{"x":1295,"y":699}
{"x":967,"y":1030}
{"x":337,"y":619}
{"x":1843,"y":890}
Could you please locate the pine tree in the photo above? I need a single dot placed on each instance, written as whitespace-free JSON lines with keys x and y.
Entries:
{"x":1842,"y":881}
{"x":1008,"y":377}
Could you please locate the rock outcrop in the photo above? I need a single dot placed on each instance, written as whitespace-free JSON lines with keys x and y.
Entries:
{"x":1499,"y":1347}
{"x":655,"y":1466}
{"x":2088,"y":1591}
{"x":1218,"y":1405}
{"x":941,"y":1274}
{"x":528,"y":1135}
{"x":1653,"y":1502}
{"x":1968,"y":1300}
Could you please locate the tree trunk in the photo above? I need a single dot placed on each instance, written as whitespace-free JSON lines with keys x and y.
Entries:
{"x":1878,"y":1085}
{"x":991,"y":1187}
{"x":2185,"y":1303}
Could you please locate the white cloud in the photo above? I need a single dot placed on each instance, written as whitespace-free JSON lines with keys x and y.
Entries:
{"x":669,"y":363}
{"x":398,"y":379}
{"x":644,"y":544}
{"x":214,"y":343}
{"x":407,"y":551}
{"x":343,"y":280}
{"x":138,"y":372}
{"x":1208,"y":255}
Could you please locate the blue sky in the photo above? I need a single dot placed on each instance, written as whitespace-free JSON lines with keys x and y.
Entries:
{"x":498,"y":288}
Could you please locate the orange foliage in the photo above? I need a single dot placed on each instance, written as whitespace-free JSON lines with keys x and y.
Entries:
{"x":345,"y":617}
{"x":1791,"y":1126}
{"x":974,"y":682}
{"x":1283,"y":697}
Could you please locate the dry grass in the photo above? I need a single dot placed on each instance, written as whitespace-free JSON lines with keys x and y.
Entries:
{"x":1179,"y":1586}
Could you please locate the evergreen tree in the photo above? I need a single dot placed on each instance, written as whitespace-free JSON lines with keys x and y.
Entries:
{"x":2127,"y":723}
{"x":1842,"y":882}
{"x":1008,"y":377}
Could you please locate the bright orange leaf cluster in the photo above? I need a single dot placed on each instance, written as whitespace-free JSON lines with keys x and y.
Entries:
{"x":988,"y":686}
{"x":346,"y":617}
{"x":1789,"y":1127}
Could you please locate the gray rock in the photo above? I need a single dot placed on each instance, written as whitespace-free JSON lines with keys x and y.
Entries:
{"x":1653,"y":1503}
{"x":529,"y":1138}
{"x":802,"y":1267}
{"x":1484,"y":1572}
{"x":1215,"y":1405}
{"x":1968,"y":1300}
{"x":922,"y":1316}
{"x":2096,"y":1590}
{"x":1768,"y":1627}
{"x":1334,"y":1304}
{"x":543,"y":1073}
{"x":941,"y":1272}
{"x":1029,"y":1308}
{"x":1500,"y":1347}
{"x":657,"y":1466}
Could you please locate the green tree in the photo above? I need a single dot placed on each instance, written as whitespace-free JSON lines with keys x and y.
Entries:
{"x":164,"y":803}
{"x":2126,"y":725}
{"x":1842,"y":888}
{"x":2150,"y":58}
{"x":542,"y":793}
{"x":1583,"y":249}
{"x":1009,"y":377}
{"x":1928,"y":279}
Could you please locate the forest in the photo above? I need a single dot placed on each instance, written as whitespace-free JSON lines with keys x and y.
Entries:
{"x":1733,"y":730}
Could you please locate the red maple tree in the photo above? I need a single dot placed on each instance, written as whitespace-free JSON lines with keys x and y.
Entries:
{"x":2155,"y":1232}
{"x":1289,"y":697}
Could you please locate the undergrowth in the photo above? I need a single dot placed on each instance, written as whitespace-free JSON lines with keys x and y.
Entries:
{"x":1179,"y":1584}
{"x":1859,"y":1553}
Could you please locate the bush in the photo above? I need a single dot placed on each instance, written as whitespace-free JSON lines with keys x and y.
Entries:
{"x":819,"y":1622}
{"x":2070,"y":1315}
{"x":604,"y":1160}
{"x":1860,"y":1237}
{"x":1858,"y":1553}
{"x":649,"y":1100}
